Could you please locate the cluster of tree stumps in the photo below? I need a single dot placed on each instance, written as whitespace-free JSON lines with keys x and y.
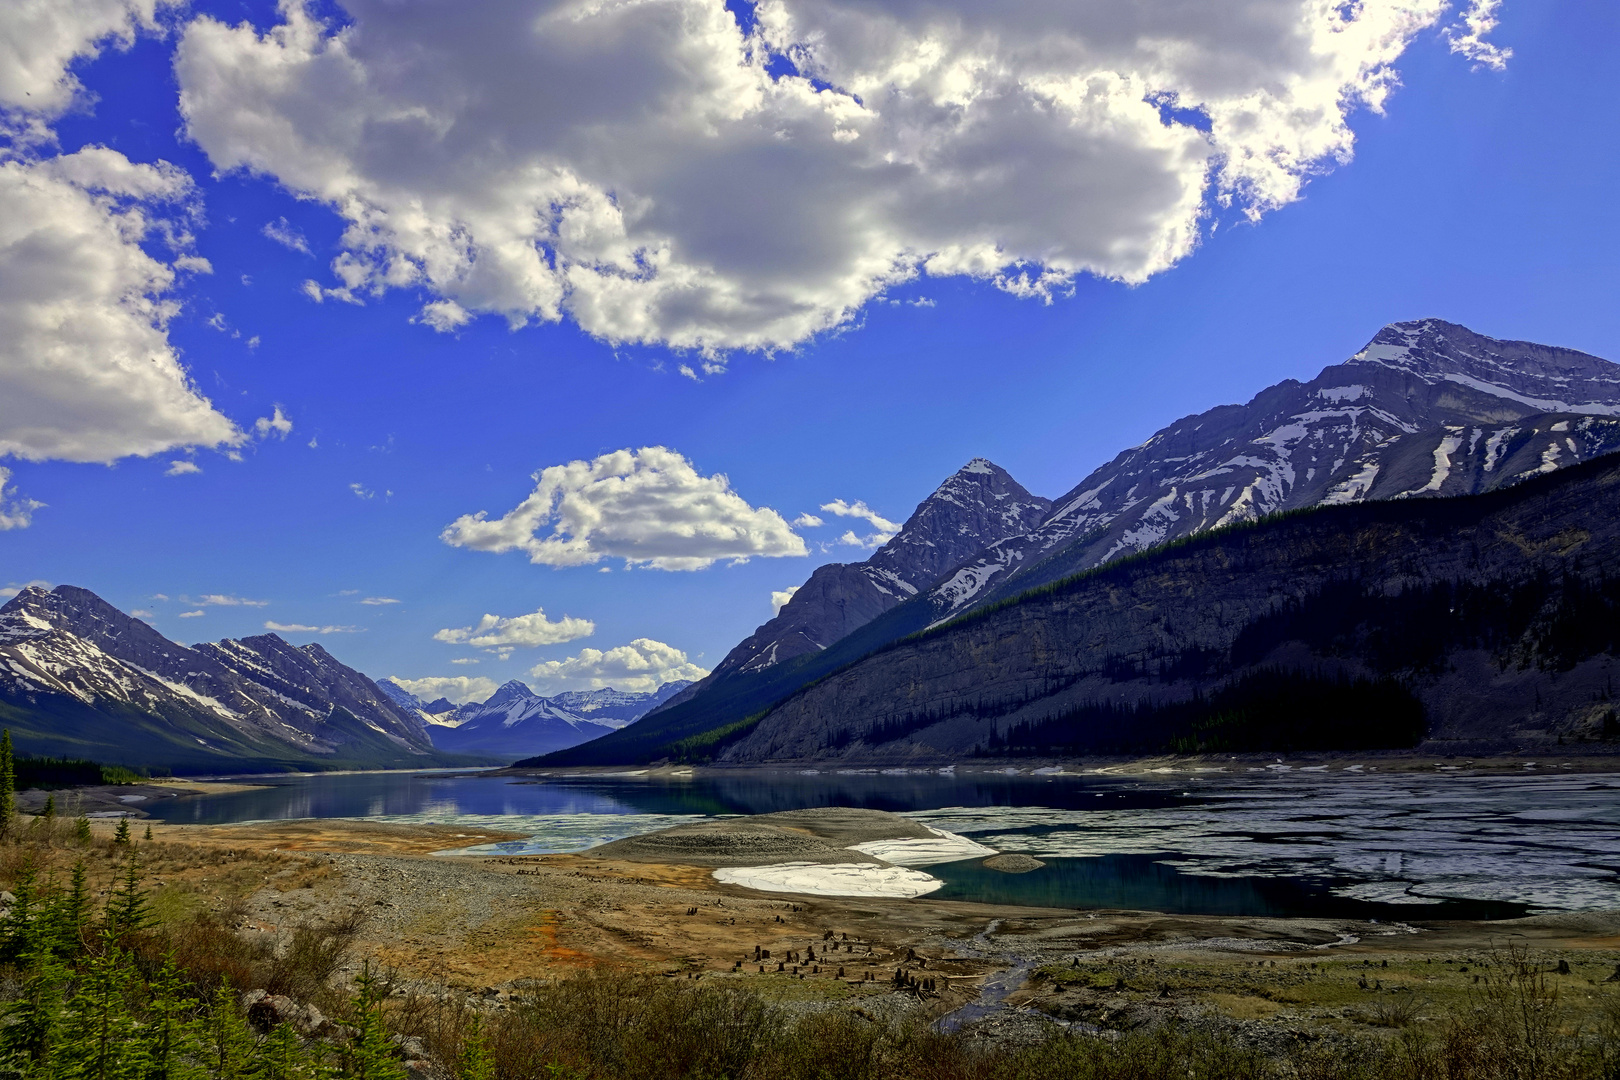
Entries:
{"x":808,"y":962}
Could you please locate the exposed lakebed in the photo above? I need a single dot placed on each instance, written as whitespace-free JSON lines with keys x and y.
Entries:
{"x":1369,"y":845}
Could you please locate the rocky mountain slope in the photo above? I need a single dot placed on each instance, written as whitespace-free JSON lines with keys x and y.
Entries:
{"x":516,"y":722}
{"x":1477,"y":624}
{"x":80,"y":678}
{"x":1427,"y":409}
{"x":978,"y":504}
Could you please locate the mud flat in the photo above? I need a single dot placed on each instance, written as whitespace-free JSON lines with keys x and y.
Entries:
{"x":449,"y":923}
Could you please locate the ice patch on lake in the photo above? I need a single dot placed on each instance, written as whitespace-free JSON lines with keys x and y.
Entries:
{"x":1549,"y":842}
{"x":942,"y":847}
{"x":831,"y":879}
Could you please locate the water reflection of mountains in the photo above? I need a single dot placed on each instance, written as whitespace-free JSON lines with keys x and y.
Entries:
{"x":766,"y":793}
{"x":388,"y":794}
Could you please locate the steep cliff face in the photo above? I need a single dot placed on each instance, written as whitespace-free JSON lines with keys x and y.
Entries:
{"x":978,"y":504}
{"x":1427,"y":409}
{"x":1493,"y":616}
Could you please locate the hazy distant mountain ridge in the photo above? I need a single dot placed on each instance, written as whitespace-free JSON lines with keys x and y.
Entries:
{"x":515,"y":721}
{"x":79,"y":676}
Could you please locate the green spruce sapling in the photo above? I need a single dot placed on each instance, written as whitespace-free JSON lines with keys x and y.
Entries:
{"x":8,"y":783}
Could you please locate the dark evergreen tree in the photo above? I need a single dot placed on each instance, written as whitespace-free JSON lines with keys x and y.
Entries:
{"x":370,"y":1053}
{"x":101,"y":1034}
{"x":129,"y":911}
{"x":228,"y":1044}
{"x":8,"y":783}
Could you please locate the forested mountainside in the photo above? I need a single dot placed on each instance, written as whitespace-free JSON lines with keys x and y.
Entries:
{"x":1426,"y":410}
{"x":79,"y":678}
{"x":1479,"y":623}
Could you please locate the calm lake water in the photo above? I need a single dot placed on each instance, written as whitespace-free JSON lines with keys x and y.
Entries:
{"x":1367,"y":845}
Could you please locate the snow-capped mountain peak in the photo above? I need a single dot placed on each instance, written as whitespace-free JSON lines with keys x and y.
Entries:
{"x":1427,"y":408}
{"x":976,"y":504}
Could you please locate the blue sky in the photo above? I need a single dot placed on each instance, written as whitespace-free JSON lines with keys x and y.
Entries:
{"x":1481,"y":195}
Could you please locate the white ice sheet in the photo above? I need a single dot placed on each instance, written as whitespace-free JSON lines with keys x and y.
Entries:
{"x":831,"y":879}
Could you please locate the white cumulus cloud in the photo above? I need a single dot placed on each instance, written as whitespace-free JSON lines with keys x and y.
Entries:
{"x":636,"y":166}
{"x":647,"y":506}
{"x":808,"y":521}
{"x":182,"y":467}
{"x":457,"y":688}
{"x":637,"y":667}
{"x":40,"y":39}
{"x":494,"y":632}
{"x":86,"y":369}
{"x":15,"y":512}
{"x":779,"y":599}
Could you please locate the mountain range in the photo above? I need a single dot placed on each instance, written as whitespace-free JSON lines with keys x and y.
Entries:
{"x":79,"y":678}
{"x":1427,"y":410}
{"x":1475,"y":625}
{"x":515,"y":721}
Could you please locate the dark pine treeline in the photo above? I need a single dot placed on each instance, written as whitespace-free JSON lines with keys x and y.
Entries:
{"x":1268,"y":710}
{"x":1547,"y":621}
{"x":1550,"y":622}
{"x":52,"y":772}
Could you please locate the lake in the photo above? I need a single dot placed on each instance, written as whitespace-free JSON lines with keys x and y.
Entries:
{"x":1264,"y":842}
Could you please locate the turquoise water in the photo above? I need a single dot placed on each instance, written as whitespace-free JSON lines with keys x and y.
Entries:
{"x":1264,"y":842}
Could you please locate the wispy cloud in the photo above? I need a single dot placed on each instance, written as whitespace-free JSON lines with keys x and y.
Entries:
{"x":222,"y":600}
{"x":379,"y":601}
{"x":858,"y":509}
{"x":286,"y":234}
{"x":15,"y":512}
{"x":305,"y":628}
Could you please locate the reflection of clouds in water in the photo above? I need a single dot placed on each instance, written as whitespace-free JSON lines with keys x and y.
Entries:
{"x":549,"y":834}
{"x":1547,"y":841}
